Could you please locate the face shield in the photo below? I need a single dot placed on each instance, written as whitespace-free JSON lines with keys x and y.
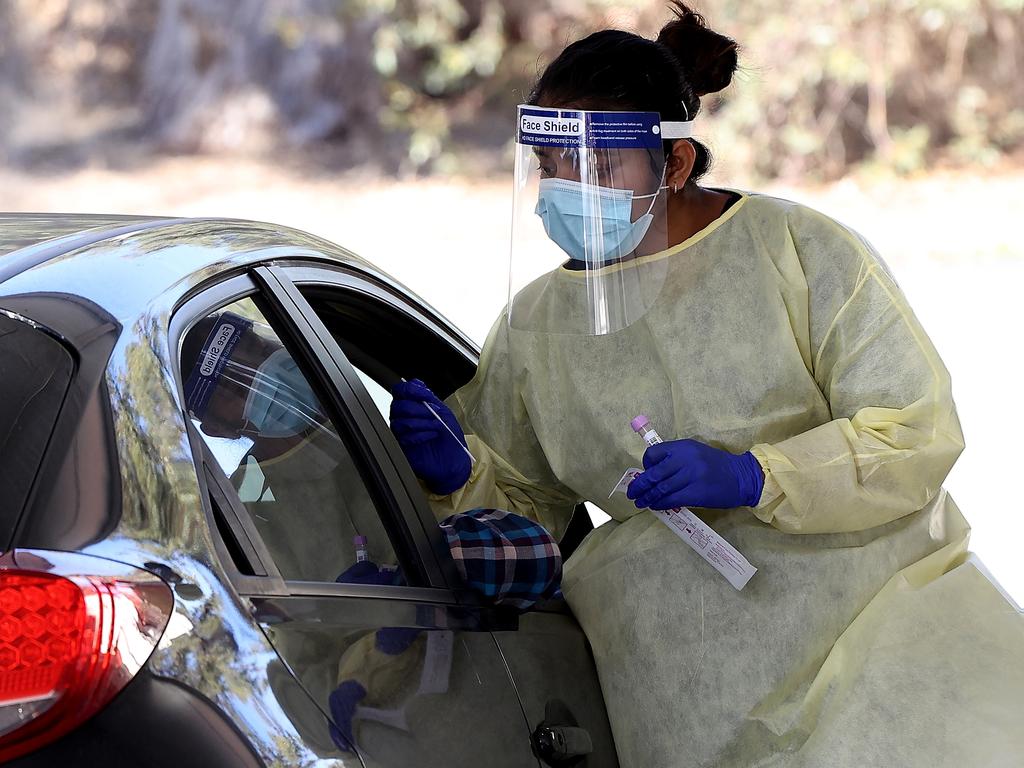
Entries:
{"x":245,"y":382}
{"x":589,"y":219}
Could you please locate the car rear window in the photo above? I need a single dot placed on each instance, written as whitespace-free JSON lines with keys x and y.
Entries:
{"x":35,"y":371}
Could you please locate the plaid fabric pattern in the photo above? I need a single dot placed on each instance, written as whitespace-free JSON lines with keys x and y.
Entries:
{"x":510,"y":559}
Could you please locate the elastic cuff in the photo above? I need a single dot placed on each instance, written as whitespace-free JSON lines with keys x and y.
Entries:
{"x":771,"y":493}
{"x":753,"y":479}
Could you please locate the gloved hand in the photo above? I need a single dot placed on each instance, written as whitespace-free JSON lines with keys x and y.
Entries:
{"x":343,"y":702}
{"x":688,"y":473}
{"x":395,"y":640}
{"x":389,"y":640}
{"x":369,"y":573}
{"x":434,"y":455}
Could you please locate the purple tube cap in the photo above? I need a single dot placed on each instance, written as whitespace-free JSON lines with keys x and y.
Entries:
{"x":359,"y":541}
{"x":640,"y":423}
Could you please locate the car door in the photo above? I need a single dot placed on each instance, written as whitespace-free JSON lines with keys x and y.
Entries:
{"x":407,"y":672}
{"x":383,"y":334}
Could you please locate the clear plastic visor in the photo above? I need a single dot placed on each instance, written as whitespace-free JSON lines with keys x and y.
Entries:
{"x":589,"y":204}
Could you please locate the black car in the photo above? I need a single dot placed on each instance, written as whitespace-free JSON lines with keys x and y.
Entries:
{"x":169,"y":596}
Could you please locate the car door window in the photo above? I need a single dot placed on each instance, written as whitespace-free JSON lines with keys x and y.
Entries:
{"x":385,"y":337}
{"x":386,"y":340}
{"x":267,"y":429}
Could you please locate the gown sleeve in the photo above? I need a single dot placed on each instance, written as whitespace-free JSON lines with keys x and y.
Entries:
{"x":894,"y":433}
{"x":511,"y":471}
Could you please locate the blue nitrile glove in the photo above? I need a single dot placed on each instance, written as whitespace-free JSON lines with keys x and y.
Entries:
{"x":395,"y":640}
{"x":369,"y":573}
{"x":434,"y":455}
{"x":688,"y":473}
{"x":343,"y":702}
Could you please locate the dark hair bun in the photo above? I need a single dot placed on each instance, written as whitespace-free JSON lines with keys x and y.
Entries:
{"x":708,"y":58}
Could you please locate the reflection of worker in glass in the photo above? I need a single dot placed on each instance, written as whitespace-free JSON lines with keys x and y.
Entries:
{"x":245,"y":383}
{"x":291,"y":465}
{"x":808,"y":419}
{"x":505,"y":558}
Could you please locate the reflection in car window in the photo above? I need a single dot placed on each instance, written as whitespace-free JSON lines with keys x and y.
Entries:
{"x":36,"y":371}
{"x":271,"y":436}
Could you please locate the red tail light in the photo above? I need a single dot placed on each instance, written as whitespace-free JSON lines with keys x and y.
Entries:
{"x":74,"y":630}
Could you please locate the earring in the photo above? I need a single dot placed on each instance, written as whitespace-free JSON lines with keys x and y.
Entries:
{"x":675,"y":189}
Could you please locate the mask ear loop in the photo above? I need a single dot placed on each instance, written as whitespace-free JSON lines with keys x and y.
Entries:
{"x":661,"y":186}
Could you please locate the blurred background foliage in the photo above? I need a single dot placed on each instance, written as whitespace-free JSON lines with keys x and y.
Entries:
{"x":405,"y":87}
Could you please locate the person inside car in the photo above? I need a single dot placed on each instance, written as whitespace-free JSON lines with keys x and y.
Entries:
{"x":272,"y":437}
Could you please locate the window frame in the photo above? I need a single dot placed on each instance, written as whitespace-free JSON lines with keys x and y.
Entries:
{"x":284,"y":281}
{"x":390,"y":496}
{"x":378,"y":287}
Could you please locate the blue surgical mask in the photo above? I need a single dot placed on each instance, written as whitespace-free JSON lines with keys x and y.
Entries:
{"x":560,"y":205}
{"x":280,"y":403}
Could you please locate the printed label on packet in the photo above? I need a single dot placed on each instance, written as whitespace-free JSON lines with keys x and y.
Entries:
{"x":703,"y":539}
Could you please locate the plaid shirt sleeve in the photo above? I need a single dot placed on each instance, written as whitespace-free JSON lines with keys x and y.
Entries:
{"x":510,"y":559}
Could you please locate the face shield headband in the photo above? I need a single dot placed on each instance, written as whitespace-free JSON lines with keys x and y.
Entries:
{"x":591,"y":219}
{"x":228,"y":330}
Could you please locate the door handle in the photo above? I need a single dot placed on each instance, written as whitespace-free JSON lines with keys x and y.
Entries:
{"x":561,"y":745}
{"x":558,"y":740}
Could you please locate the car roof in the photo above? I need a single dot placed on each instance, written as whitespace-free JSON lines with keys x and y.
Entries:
{"x":21,"y":230}
{"x":85,"y":254}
